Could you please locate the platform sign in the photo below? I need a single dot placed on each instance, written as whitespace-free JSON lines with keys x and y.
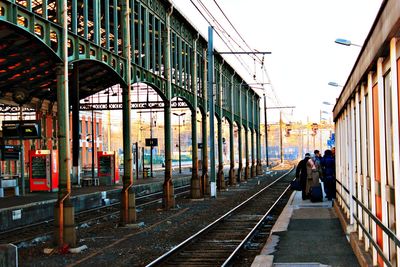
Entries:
{"x":330,"y":143}
{"x":21,"y":129}
{"x":10,"y":152}
{"x":11,"y":131}
{"x":151,"y":142}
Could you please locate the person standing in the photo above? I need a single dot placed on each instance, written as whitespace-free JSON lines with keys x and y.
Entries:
{"x":301,"y":173}
{"x":318,"y":168}
{"x":329,"y":174}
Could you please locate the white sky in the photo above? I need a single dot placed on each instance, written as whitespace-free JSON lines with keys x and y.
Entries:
{"x":300,"y":34}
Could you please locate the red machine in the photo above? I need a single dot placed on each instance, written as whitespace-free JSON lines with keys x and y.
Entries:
{"x":107,"y":167}
{"x":43,"y":170}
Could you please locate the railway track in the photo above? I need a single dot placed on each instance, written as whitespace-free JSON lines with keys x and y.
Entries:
{"x":40,"y":231}
{"x":220,"y":243}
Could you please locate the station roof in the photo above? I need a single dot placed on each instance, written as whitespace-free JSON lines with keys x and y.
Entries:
{"x":28,"y":68}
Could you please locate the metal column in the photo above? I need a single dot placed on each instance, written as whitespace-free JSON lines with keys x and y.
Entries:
{"x":75,"y":124}
{"x":246,"y":136}
{"x":253,"y":158}
{"x":168,"y":200}
{"x":128,"y":205}
{"x":220,"y":177}
{"x":232,"y":180}
{"x":240,"y":175}
{"x":64,"y":210}
{"x":258,"y":137}
{"x":204,"y":175}
{"x":210,"y":89}
{"x":253,"y":145}
{"x":266,"y":130}
{"x":195,"y":181}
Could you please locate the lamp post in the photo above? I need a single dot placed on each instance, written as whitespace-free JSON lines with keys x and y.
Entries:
{"x":345,"y":42}
{"x":334,"y":84}
{"x":179,"y":138}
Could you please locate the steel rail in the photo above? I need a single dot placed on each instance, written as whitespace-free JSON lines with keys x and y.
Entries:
{"x":191,"y":238}
{"x":88,"y":211}
{"x":227,"y":261}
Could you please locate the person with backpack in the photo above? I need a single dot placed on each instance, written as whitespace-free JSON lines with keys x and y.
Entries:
{"x":301,"y":173}
{"x":329,"y":174}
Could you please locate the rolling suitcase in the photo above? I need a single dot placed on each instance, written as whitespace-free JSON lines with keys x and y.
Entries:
{"x":295,"y":185}
{"x":316,"y":193}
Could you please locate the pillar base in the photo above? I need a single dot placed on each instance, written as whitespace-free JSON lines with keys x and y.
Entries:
{"x":75,"y":179}
{"x":221,"y":178}
{"x":128,"y":207}
{"x":169,"y":197}
{"x":195,"y":187}
{"x":253,"y":171}
{"x":206,"y":184}
{"x":259,"y":169}
{"x":68,"y":227}
{"x":240,"y":177}
{"x":247,"y":172}
{"x":232,"y":178}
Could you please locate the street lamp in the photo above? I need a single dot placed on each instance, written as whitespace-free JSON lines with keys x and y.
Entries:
{"x":345,"y":42}
{"x":334,"y":84}
{"x":179,"y":137}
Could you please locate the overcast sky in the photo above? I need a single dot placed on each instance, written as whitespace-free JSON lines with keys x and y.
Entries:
{"x":300,"y":34}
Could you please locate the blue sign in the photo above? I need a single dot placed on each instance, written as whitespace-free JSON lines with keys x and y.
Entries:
{"x":330,"y":143}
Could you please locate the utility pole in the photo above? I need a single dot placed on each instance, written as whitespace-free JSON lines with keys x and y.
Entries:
{"x":280,"y":127}
{"x":266,"y":130}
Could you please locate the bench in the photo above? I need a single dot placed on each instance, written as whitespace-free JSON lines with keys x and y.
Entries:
{"x":8,"y":183}
{"x":88,"y":181}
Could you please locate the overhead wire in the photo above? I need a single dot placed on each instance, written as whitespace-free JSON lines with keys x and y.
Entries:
{"x":222,"y":39}
{"x":219,"y":28}
{"x":234,"y":28}
{"x":222,"y":29}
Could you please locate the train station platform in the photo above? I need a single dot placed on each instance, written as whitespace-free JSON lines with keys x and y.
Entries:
{"x":17,"y":211}
{"x":307,"y":234}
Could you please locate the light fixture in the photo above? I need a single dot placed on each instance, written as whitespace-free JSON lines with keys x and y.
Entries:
{"x":334,"y":84}
{"x":345,"y":42}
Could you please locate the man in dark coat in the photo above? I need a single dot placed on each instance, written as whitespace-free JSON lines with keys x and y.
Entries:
{"x":301,"y":173}
{"x":329,"y":174}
